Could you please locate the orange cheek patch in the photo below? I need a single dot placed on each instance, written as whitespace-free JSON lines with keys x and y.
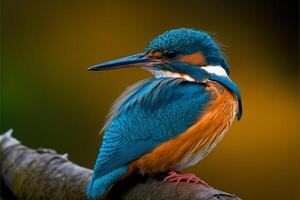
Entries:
{"x":193,"y":59}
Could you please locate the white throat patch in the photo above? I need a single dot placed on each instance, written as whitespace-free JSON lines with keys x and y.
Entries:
{"x":161,"y":73}
{"x":217,"y":70}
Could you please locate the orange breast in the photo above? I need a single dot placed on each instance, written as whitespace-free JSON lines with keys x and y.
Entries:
{"x":196,"y":142}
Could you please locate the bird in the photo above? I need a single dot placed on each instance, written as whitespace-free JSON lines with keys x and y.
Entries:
{"x":172,"y":120}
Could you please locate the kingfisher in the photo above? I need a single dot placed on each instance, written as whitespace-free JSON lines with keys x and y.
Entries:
{"x":171,"y":121}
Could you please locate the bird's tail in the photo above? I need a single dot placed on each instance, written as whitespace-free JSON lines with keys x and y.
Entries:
{"x":99,"y":186}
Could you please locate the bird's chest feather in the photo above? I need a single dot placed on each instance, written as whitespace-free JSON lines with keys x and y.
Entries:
{"x":197,"y":141}
{"x":210,"y":128}
{"x":194,"y":143}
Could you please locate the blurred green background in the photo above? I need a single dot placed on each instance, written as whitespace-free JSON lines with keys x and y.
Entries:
{"x":51,"y":100}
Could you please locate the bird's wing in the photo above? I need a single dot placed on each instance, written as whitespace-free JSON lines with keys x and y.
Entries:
{"x":151,"y":113}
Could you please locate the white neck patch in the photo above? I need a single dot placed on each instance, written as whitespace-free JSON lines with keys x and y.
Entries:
{"x":217,"y":70}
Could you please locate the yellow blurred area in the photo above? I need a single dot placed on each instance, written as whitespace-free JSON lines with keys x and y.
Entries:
{"x":51,"y":100}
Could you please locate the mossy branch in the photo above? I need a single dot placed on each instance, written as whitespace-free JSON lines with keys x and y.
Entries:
{"x":43,"y":174}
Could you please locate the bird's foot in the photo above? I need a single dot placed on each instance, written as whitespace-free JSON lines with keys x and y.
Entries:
{"x":173,"y":176}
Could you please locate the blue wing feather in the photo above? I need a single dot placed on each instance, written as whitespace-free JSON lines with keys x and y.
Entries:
{"x":152,"y":112}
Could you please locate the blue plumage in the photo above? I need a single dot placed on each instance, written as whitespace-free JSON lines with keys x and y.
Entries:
{"x":97,"y":187}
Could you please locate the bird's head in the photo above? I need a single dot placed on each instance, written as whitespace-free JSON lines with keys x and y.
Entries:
{"x":173,"y":48}
{"x":185,"y":53}
{"x":187,"y":46}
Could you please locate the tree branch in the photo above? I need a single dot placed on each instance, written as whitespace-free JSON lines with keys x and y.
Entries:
{"x":43,"y":174}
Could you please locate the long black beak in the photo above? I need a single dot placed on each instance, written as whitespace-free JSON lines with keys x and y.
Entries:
{"x":140,"y":60}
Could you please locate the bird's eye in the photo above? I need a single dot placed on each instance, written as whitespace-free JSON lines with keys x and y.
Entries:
{"x":171,"y":54}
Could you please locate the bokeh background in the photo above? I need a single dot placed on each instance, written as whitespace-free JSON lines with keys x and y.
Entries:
{"x":50,"y":99}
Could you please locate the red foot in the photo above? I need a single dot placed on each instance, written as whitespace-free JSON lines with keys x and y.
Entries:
{"x":184,"y":177}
